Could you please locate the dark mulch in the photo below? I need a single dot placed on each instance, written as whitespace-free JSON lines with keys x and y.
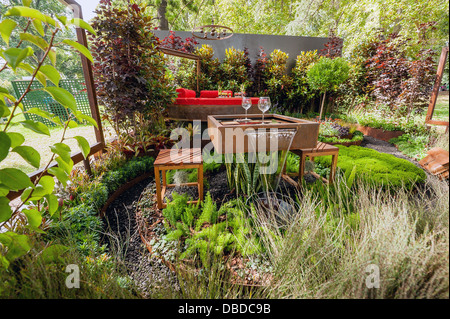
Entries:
{"x":122,"y":237}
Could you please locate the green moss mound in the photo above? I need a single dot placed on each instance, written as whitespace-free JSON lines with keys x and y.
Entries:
{"x":375,"y":167}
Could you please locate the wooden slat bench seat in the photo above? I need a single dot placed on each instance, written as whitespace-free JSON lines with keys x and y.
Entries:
{"x":322,"y":149}
{"x":172,"y":159}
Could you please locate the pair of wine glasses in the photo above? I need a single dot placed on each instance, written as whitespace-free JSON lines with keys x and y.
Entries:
{"x":263,"y":105}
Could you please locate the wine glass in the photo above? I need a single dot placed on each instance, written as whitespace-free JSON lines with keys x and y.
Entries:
{"x":264,"y":105}
{"x":246,"y":104}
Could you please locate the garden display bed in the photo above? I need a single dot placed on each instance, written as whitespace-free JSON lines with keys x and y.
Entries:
{"x":150,"y":225}
{"x":218,"y":125}
{"x":379,"y":134}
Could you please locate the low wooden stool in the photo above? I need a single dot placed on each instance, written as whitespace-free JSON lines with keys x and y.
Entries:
{"x":321,"y":149}
{"x":172,"y":159}
{"x":436,"y":162}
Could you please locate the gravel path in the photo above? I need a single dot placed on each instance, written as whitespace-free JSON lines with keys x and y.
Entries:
{"x":385,"y":147}
{"x":151,"y":276}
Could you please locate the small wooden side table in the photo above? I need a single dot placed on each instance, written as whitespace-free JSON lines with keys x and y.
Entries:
{"x":321,"y":149}
{"x":173,"y":159}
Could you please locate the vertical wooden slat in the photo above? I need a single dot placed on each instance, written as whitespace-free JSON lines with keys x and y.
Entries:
{"x":88,"y":74}
{"x":437,"y":84}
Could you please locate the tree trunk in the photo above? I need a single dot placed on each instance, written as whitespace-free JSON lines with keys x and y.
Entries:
{"x":163,"y":22}
{"x":323,"y":103}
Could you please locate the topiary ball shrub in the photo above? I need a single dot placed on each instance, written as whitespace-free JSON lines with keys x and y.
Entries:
{"x":384,"y":170}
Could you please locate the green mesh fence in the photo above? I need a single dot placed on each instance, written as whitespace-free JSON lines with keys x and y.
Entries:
{"x":44,"y":101}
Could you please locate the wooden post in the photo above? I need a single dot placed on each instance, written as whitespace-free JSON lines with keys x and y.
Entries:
{"x":88,"y":75}
{"x":158,"y":188}
{"x":200,"y":182}
{"x":435,"y":93}
{"x":87,"y":166}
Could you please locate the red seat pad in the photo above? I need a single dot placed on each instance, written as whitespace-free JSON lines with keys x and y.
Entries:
{"x":212,"y":94}
{"x":185,"y":93}
{"x":213,"y":101}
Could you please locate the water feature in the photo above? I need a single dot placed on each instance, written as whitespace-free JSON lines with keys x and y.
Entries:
{"x":270,"y":147}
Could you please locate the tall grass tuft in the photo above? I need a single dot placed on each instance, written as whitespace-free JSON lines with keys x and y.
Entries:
{"x":325,"y":251}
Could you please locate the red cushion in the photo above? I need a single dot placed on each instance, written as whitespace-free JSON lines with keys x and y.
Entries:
{"x":209,"y":94}
{"x":182,"y":93}
{"x":213,"y":101}
{"x":213,"y":94}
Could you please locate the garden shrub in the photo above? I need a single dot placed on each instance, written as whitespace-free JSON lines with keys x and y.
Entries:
{"x":382,"y":169}
{"x":130,"y":73}
{"x":235,"y":70}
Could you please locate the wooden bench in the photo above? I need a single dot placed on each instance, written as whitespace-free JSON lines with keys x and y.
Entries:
{"x":436,"y":162}
{"x":173,"y":159}
{"x":321,"y":149}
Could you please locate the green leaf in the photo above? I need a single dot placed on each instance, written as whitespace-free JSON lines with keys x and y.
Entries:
{"x":66,"y":166}
{"x":14,"y":56}
{"x":38,"y":26}
{"x":62,"y":150}
{"x":5,"y":209}
{"x":38,"y":41}
{"x":5,"y":144}
{"x":62,"y":19}
{"x":40,"y":112}
{"x":51,"y":73}
{"x":80,"y":48}
{"x":15,"y":179}
{"x":48,"y":183}
{"x":17,"y":245}
{"x":4,"y":110}
{"x":52,"y":202}
{"x":62,"y":96}
{"x":16,"y":139}
{"x":82,"y":24}
{"x":52,"y":56}
{"x":29,"y":154}
{"x":84,"y":145}
{"x":26,"y":12}
{"x":7,"y":26}
{"x":39,"y":76}
{"x":34,"y":218}
{"x":35,"y":126}
{"x":33,"y":194}
{"x":80,"y":116}
{"x":3,"y":190}
{"x":71,"y":124}
{"x":60,"y":174}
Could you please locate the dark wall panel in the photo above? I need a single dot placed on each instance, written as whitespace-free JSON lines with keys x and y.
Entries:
{"x":292,"y":45}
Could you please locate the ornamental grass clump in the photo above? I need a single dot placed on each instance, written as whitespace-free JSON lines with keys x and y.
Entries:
{"x":329,"y":252}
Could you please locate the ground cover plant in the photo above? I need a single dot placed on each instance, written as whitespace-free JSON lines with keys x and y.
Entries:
{"x":381,"y":169}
